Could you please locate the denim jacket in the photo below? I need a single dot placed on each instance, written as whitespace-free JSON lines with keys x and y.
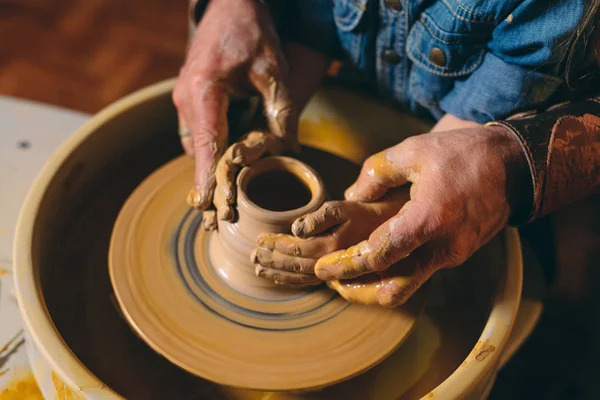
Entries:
{"x":479,"y":60}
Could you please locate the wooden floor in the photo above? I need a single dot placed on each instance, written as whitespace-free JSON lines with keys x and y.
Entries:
{"x":84,"y":54}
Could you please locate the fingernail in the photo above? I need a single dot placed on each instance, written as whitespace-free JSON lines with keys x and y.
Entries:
{"x":349,"y":193}
{"x":265,"y":240}
{"x":299,"y":228}
{"x":197,"y":198}
{"x":254,"y":256}
{"x":193,"y":198}
{"x":259,"y":271}
{"x":209,"y":222}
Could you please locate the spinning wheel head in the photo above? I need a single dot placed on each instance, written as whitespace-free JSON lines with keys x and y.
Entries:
{"x":191,"y":295}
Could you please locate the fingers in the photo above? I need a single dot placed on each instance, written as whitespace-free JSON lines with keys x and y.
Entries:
{"x":286,"y":278}
{"x":393,"y":287}
{"x":403,"y":279}
{"x":380,"y":173}
{"x":209,"y":220}
{"x":224,"y":196}
{"x":327,"y":216}
{"x":247,"y":150}
{"x":185,"y":135}
{"x":278,"y":107}
{"x":284,"y":262}
{"x":296,"y":247}
{"x":206,"y":117}
{"x":392,"y":241}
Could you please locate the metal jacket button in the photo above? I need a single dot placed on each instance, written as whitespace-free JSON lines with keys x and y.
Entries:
{"x":395,"y":5}
{"x":390,"y":57}
{"x":437,"y":56}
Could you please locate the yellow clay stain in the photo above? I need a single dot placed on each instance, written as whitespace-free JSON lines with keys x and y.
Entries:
{"x":3,"y":271}
{"x":345,"y":261}
{"x":23,"y":387}
{"x":63,"y":392}
{"x":378,"y":166}
{"x":483,"y":349}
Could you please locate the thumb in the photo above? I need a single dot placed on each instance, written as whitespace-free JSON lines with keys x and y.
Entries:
{"x":392,"y":241}
{"x":279,"y":109}
{"x":208,"y":126}
{"x":382,"y":172}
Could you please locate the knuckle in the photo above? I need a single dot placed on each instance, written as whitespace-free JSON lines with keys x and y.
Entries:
{"x":200,"y":81}
{"x":379,"y":261}
{"x":178,"y":95}
{"x":409,"y":143}
{"x":335,"y":209}
{"x":297,"y":266}
{"x":368,"y":165}
{"x":458,"y":252}
{"x":295,"y":249}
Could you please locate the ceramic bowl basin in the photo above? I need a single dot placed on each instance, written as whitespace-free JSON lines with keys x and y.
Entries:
{"x":80,"y":346}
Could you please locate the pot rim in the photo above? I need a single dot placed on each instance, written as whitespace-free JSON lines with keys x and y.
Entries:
{"x":308,"y":176}
{"x":480,"y":363}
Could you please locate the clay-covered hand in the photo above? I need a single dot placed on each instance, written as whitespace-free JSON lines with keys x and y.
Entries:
{"x":461,"y":195}
{"x":235,"y":51}
{"x":250,"y":148}
{"x":290,"y":259}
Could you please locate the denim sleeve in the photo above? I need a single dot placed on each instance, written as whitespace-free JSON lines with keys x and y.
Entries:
{"x":522,"y":66}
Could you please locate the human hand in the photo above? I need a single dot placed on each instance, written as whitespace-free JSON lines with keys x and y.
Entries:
{"x":290,"y":259}
{"x":462,"y":193}
{"x":235,"y":50}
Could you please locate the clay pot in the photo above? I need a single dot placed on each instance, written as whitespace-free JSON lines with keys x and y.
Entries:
{"x":81,"y":348}
{"x":238,"y":239}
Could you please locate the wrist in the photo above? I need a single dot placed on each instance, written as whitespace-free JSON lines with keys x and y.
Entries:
{"x":519,"y":178}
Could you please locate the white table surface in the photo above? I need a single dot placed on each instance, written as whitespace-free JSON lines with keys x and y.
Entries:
{"x":29,"y":134}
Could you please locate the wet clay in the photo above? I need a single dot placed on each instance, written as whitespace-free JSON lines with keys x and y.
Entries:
{"x":230,"y":251}
{"x":389,"y":287}
{"x":79,"y":302}
{"x":291,"y":193}
{"x":170,"y":277}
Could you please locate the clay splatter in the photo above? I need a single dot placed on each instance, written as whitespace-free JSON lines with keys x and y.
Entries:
{"x":22,"y":387}
{"x":63,"y":392}
{"x":484,"y":352}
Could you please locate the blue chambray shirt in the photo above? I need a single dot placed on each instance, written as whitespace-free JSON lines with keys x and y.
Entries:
{"x":479,"y":60}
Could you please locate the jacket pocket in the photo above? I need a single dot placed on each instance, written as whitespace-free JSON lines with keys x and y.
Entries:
{"x":348,"y":13}
{"x":353,"y":36}
{"x":440,"y":58}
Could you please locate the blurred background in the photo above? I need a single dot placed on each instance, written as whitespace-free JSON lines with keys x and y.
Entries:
{"x":85,"y":54}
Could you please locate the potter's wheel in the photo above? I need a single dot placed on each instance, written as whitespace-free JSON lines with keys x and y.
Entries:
{"x":166,"y":273}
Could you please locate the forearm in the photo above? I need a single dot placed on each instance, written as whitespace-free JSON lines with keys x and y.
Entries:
{"x":562,"y":147}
